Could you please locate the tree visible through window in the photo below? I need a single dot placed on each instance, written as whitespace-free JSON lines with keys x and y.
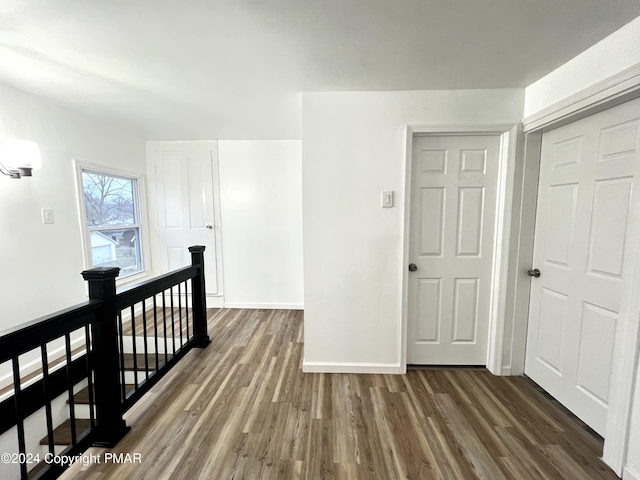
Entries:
{"x":112,"y":221}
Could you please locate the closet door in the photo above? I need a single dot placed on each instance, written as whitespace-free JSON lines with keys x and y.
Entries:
{"x":585,"y":206}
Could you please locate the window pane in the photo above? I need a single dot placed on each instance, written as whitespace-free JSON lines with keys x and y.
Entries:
{"x":108,"y":200}
{"x":117,"y":248}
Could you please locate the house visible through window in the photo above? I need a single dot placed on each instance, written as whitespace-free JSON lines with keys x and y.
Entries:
{"x":112,"y":221}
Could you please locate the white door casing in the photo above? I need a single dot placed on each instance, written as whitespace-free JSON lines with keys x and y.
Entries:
{"x":584,"y":208}
{"x":452,"y":226}
{"x":183,"y":206}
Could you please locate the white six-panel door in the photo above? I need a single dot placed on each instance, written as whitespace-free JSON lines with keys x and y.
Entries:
{"x":453,"y":203}
{"x":585,"y":203}
{"x":181,"y":198}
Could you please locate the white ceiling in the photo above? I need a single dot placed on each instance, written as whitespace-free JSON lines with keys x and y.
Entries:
{"x":189,"y":69}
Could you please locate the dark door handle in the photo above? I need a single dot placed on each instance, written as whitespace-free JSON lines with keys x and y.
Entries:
{"x":412,"y":267}
{"x":534,"y":273}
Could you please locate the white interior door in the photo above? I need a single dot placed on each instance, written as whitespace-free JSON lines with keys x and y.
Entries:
{"x":584,"y":206}
{"x":183,"y":204}
{"x":453,"y":203}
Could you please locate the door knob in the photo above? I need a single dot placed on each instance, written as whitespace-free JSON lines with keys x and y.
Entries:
{"x":534,"y":273}
{"x":413,"y":267}
{"x":209,"y":227}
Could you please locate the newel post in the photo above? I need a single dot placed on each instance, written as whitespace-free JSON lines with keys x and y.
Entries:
{"x":198,"y":295}
{"x":110,"y":427}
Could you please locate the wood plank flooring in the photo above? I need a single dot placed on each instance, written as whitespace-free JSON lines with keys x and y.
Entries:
{"x":243,"y":409}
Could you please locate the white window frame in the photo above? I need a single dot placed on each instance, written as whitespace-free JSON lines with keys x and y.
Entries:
{"x":140,"y":209}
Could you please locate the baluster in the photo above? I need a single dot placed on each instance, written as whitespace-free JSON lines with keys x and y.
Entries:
{"x":146,"y":347}
{"x":123,"y":382}
{"x":22,"y":449}
{"x":89,"y":354}
{"x":164,"y":321}
{"x":72,"y":406}
{"x":45,"y":391}
{"x":186,"y":306}
{"x":135,"y":349}
{"x":173,"y":321}
{"x":155,"y":332}
{"x":180,"y":313}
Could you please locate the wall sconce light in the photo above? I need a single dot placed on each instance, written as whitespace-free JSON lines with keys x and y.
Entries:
{"x":18,"y":158}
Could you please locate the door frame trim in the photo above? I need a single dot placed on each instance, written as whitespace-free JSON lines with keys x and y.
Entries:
{"x":625,"y":363}
{"x":605,"y":94}
{"x":509,"y":135}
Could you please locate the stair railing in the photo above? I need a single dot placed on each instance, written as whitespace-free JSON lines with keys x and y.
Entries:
{"x":93,"y":336}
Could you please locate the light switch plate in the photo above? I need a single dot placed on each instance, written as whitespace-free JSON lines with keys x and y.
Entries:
{"x":47,"y":215}
{"x":387,"y":199}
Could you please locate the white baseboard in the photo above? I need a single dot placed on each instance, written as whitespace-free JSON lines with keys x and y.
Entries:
{"x":630,"y":474}
{"x":269,"y":306}
{"x":215,"y":301}
{"x":351,"y":367}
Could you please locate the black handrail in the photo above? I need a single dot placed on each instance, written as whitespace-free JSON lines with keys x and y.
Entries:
{"x":137,"y":293}
{"x":18,"y":340}
{"x":101,"y":361}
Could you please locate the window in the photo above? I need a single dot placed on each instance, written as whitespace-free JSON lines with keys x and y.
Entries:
{"x":112,"y":221}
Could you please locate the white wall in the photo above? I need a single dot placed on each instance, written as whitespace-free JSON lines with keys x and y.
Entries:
{"x":353,"y":147}
{"x":40,"y":264}
{"x":613,"y":54}
{"x":261,"y":215}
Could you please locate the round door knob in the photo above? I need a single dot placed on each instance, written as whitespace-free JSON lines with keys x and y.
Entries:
{"x":209,"y":227}
{"x":413,"y":267}
{"x":534,"y":273}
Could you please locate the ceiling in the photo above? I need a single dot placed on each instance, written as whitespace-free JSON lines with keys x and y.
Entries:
{"x":195,"y":69}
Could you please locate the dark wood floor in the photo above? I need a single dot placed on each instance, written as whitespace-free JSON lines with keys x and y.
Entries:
{"x":243,"y":409}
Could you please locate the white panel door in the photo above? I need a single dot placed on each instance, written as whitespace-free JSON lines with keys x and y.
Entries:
{"x":453,"y":202}
{"x":184,"y":206}
{"x":584,"y":207}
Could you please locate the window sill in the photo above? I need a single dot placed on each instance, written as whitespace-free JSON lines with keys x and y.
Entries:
{"x":132,"y":279}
